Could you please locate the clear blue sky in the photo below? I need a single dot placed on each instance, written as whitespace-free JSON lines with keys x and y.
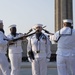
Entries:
{"x":26,"y":13}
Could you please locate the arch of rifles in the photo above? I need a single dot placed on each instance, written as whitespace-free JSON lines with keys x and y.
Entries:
{"x":63,"y":10}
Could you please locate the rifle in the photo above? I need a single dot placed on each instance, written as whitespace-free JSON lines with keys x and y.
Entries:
{"x":29,"y":31}
{"x":31,"y":55}
{"x":48,"y":32}
{"x":19,"y":38}
{"x":26,"y":35}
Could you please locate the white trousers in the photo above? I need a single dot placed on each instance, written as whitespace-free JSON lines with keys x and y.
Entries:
{"x":4,"y":65}
{"x":15,"y":60}
{"x":1,"y":72}
{"x":66,"y":65}
{"x":39,"y":66}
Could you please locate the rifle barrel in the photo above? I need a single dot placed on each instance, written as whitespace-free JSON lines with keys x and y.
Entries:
{"x":48,"y":32}
{"x":22,"y":37}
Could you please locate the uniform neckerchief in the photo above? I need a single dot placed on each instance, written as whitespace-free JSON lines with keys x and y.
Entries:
{"x":38,"y":35}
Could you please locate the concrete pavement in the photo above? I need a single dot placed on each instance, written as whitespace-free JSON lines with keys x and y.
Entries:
{"x":26,"y":68}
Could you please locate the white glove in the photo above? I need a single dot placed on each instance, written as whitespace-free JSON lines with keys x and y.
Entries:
{"x":48,"y":60}
{"x":30,"y":60}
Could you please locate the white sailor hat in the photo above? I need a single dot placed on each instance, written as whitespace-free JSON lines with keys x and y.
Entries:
{"x":67,"y":20}
{"x":1,"y":21}
{"x":11,"y":26}
{"x":37,"y":25}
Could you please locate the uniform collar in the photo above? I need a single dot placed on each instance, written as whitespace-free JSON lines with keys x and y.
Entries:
{"x":65,"y":31}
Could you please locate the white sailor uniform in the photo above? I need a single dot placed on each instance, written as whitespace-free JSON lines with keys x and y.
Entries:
{"x":41,"y":50}
{"x":15,"y":54}
{"x":66,"y":50}
{"x":4,"y":64}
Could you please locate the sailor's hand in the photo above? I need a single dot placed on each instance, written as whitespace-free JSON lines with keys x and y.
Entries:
{"x":11,"y":42}
{"x":30,"y":60}
{"x":48,"y":60}
{"x":23,"y":38}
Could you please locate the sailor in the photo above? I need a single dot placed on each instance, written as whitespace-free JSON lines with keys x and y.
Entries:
{"x":4,"y":64}
{"x":15,"y":50}
{"x":65,"y":39}
{"x":40,"y":45}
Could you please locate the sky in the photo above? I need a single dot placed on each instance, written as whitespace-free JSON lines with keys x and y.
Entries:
{"x":26,"y":13}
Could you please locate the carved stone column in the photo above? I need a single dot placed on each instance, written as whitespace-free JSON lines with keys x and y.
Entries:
{"x":63,"y":10}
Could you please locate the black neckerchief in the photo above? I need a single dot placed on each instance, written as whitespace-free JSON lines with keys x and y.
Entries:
{"x":38,"y":35}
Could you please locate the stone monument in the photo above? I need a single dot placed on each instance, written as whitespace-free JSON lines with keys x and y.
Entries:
{"x":63,"y":10}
